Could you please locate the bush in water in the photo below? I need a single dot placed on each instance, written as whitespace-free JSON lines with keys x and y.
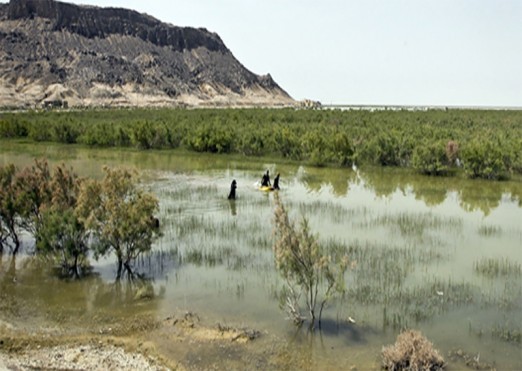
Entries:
{"x":68,"y":216}
{"x":305,"y":266}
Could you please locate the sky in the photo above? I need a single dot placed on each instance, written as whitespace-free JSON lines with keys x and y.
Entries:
{"x":366,"y":52}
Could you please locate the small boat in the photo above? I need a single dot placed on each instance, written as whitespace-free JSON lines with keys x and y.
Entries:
{"x":266,"y":188}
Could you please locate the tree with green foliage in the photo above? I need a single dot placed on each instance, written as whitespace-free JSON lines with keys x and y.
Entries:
{"x":34,"y":195}
{"x":68,"y":216}
{"x":64,"y":239}
{"x":119,"y":215}
{"x":9,"y":210}
{"x":61,"y":235}
{"x":305,"y":266}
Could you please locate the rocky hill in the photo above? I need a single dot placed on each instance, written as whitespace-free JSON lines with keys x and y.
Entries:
{"x":54,"y":53}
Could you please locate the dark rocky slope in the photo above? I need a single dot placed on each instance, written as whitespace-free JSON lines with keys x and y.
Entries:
{"x":88,"y":56}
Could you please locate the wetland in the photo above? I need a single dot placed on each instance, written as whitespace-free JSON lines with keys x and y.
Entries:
{"x":442,"y":255}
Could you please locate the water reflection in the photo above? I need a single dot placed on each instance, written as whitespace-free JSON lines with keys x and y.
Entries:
{"x":30,"y":293}
{"x":476,"y":195}
{"x":416,"y":240}
{"x":7,"y":269}
{"x":233,"y":207}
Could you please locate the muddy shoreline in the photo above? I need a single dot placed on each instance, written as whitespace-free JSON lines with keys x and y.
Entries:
{"x":53,"y":348}
{"x":178,"y":342}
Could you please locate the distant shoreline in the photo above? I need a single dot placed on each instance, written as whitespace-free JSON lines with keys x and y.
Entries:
{"x":392,"y":107}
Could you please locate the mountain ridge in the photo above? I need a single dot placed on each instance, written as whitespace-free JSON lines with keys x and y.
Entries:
{"x":54,"y":52}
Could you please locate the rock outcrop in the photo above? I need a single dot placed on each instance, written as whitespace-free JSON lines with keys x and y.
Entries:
{"x":53,"y":53}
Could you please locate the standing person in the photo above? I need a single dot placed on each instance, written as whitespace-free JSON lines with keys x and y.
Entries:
{"x":265,"y":180}
{"x":276,"y":181}
{"x":232,"y":194}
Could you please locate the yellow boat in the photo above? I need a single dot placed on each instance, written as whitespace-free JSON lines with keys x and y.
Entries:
{"x":266,"y":188}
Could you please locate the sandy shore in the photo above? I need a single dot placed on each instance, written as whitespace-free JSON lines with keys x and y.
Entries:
{"x":87,"y":357}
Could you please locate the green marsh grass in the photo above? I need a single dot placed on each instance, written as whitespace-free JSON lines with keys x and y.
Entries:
{"x":414,"y":224}
{"x":497,"y":267}
{"x":208,"y":235}
{"x":331,"y":211}
{"x":508,"y":332}
{"x":489,"y":230}
{"x":382,"y":277}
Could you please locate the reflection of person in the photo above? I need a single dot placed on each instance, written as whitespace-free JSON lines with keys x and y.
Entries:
{"x":232,"y":194}
{"x":265,"y":181}
{"x":276,"y":181}
{"x":233,"y":208}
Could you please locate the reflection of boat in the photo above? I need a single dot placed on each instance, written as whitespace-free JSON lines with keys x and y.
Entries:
{"x":266,"y":188}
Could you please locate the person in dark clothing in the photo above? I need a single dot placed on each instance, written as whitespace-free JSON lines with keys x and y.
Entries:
{"x":276,"y":182}
{"x":265,"y":180}
{"x":232,"y":194}
{"x":154,"y":222}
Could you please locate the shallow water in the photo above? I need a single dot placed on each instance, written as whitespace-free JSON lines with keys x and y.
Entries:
{"x":417,"y":242}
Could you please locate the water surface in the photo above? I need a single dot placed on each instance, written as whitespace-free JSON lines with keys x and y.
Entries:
{"x":418,"y":242}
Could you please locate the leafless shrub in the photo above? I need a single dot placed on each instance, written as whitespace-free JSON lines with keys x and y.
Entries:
{"x":412,"y":352}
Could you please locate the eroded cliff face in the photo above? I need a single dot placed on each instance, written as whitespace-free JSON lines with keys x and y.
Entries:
{"x":88,"y":56}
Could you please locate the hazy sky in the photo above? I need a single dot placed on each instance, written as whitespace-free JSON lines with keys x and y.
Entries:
{"x":406,"y":52}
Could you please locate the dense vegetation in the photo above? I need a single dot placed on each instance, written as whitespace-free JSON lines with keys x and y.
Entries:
{"x":486,"y":144}
{"x":68,"y":216}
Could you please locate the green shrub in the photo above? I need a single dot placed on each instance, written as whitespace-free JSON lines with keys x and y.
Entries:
{"x":211,"y":138}
{"x":287,"y":142}
{"x":485,"y":158}
{"x":430,"y":159}
{"x":13,"y":129}
{"x":41,"y":131}
{"x":142,"y":135}
{"x":385,"y":148}
{"x":251,"y":144}
{"x":342,"y":149}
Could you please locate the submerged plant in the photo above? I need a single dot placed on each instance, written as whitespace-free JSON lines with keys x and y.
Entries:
{"x":306,"y":267}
